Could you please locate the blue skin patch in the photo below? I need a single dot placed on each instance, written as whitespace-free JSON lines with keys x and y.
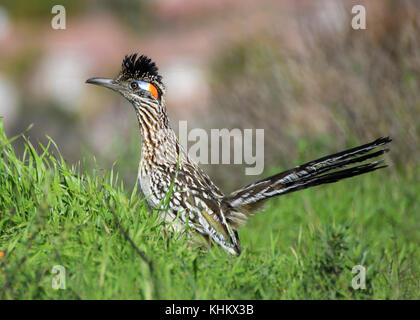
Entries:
{"x":143,"y":85}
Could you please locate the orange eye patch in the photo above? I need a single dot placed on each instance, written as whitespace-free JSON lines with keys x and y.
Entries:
{"x":153,"y":91}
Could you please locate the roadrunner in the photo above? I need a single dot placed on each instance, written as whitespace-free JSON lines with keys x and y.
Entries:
{"x":167,"y":175}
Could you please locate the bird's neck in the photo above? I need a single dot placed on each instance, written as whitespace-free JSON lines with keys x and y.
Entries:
{"x":159,"y":142}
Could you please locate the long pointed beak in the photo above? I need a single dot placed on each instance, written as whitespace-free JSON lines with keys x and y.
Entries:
{"x":108,"y":83}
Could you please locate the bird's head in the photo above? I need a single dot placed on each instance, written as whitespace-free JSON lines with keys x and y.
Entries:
{"x":139,"y":82}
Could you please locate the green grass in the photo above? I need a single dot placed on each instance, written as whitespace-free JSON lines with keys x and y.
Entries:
{"x":302,"y":246}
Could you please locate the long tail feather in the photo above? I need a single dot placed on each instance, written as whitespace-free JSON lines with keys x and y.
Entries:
{"x":328,"y":169}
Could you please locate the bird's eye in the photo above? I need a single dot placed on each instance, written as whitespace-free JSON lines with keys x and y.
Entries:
{"x":134,"y":85}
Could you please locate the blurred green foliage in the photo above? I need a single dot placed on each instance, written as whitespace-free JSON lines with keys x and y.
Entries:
{"x":133,"y":13}
{"x":33,"y":11}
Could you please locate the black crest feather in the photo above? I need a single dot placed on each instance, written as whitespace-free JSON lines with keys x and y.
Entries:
{"x":133,"y":67}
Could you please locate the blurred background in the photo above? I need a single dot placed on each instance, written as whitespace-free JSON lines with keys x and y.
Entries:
{"x":293,"y":68}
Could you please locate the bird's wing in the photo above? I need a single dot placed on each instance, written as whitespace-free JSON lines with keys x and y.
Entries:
{"x":197,"y":203}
